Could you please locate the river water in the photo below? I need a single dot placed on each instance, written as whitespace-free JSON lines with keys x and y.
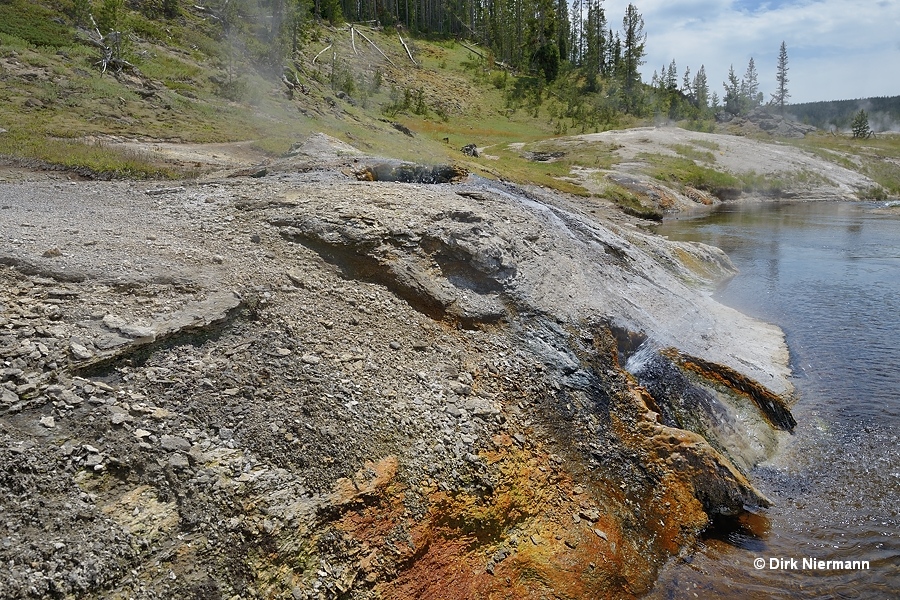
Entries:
{"x":829,"y":275}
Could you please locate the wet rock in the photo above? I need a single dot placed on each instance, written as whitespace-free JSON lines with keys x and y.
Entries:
{"x":412,"y":173}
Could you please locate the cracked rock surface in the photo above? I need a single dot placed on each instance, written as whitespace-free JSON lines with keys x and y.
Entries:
{"x":307,"y":386}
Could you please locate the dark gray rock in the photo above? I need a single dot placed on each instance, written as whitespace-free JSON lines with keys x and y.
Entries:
{"x":174,"y":443}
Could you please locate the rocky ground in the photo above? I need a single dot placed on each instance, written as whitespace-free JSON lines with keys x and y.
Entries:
{"x":803,"y":174}
{"x":294,"y":384}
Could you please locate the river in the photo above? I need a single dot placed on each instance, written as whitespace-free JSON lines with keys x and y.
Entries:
{"x":828,"y":274}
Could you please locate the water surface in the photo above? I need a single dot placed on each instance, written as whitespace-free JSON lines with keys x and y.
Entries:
{"x":829,"y":275}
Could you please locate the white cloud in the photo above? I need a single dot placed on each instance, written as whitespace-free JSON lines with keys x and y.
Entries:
{"x":836,"y":49}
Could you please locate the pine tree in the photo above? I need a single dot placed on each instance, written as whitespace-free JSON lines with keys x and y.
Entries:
{"x":687,"y":85}
{"x":109,"y":15}
{"x":562,"y":29}
{"x":732,"y":97}
{"x":577,"y":42}
{"x":170,"y":9}
{"x":672,"y":77}
{"x":81,"y":10}
{"x":860,"y":125}
{"x":633,"y":50}
{"x":594,"y":30}
{"x":542,"y":38}
{"x":701,"y":89}
{"x":750,"y":87}
{"x":781,"y":94}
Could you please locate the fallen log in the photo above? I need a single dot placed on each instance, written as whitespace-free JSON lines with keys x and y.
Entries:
{"x":377,"y":48}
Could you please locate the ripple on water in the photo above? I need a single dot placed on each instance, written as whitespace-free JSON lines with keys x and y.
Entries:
{"x":829,"y":275}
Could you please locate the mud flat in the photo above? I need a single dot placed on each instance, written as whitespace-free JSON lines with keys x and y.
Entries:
{"x":301,"y":385}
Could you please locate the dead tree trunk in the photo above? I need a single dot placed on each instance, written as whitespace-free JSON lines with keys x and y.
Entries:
{"x":377,"y":48}
{"x":405,"y":47}
{"x":321,"y":53}
{"x":110,"y":46}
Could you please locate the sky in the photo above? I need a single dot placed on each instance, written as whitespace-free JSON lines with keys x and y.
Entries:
{"x":837,"y":49}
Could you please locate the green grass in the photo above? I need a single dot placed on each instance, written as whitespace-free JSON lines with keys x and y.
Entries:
{"x":464,"y":100}
{"x":708,"y":144}
{"x":34,"y":24}
{"x":631,"y":203}
{"x":686,"y":172}
{"x":95,"y":160}
{"x":692,"y":153}
{"x":877,"y":158}
{"x":516,"y":167}
{"x":170,"y":69}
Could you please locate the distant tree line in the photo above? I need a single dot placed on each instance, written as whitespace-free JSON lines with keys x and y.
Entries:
{"x":883,"y":113}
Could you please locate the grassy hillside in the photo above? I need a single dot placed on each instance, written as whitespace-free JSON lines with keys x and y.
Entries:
{"x":190,"y":81}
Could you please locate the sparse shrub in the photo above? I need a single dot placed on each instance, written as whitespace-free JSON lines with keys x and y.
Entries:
{"x":421,"y":108}
{"x":876,"y":192}
{"x":235,"y":88}
{"x":377,"y":80}
{"x":399,"y":102}
{"x":406,"y":101}
{"x":701,"y":125}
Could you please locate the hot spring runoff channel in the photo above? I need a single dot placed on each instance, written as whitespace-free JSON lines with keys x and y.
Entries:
{"x":829,"y":275}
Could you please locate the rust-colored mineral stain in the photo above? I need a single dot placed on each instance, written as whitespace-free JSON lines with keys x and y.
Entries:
{"x":535,"y":534}
{"x":368,"y":481}
{"x":772,"y":407}
{"x":521,"y":542}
